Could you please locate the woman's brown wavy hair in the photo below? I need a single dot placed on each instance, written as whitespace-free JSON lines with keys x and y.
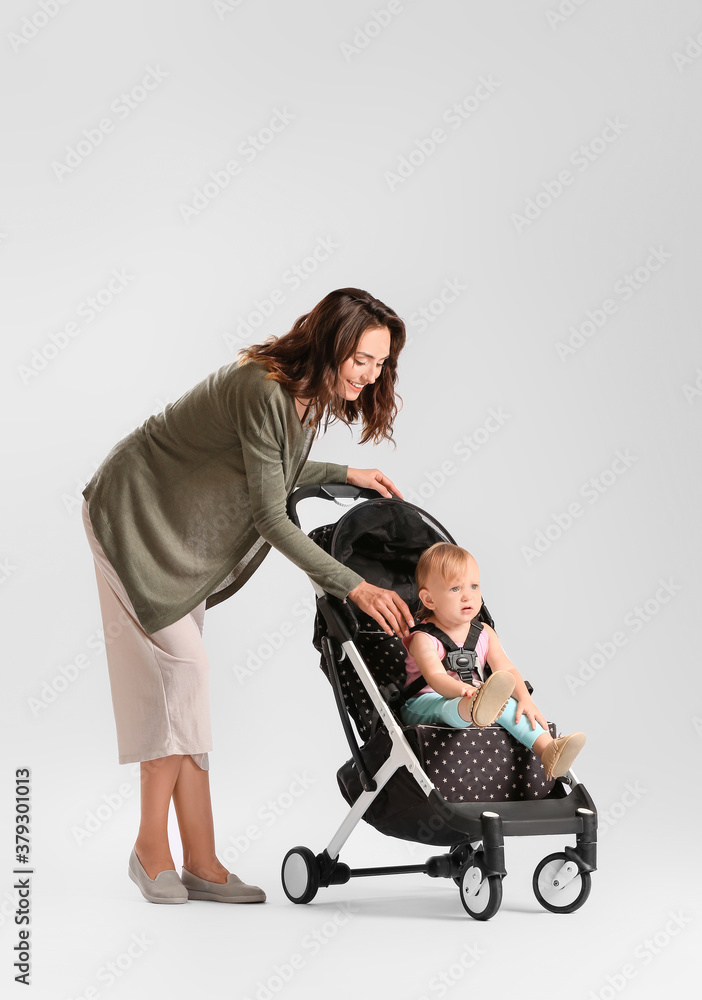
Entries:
{"x":306,"y":360}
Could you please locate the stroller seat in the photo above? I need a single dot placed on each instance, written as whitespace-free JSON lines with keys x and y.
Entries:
{"x":465,"y":789}
{"x":469,"y":764}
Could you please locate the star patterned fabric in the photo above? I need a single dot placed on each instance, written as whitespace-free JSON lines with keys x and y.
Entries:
{"x":465,"y":765}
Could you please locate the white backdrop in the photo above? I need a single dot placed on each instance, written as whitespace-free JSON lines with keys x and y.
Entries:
{"x":518,"y":181}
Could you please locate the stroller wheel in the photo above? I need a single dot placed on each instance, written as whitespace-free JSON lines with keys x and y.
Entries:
{"x":559,"y":886}
{"x":481,"y":894}
{"x":300,"y":875}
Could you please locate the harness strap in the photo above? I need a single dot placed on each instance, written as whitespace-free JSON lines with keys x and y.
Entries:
{"x":460,"y":659}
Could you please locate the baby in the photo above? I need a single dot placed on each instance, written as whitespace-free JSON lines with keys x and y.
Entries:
{"x":449,"y":589}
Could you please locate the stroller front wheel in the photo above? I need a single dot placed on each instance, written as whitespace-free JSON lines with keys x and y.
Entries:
{"x":557,"y":887}
{"x":481,"y":894}
{"x":300,"y":875}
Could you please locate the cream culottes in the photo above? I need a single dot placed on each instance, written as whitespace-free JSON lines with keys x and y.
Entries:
{"x":159,"y":682}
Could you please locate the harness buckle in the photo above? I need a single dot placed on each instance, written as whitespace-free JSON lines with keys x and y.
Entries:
{"x":462,"y":662}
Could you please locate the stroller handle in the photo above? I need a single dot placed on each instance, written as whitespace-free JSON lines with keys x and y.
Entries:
{"x":327,"y":491}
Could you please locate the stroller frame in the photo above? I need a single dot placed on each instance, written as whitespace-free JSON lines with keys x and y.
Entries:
{"x":476,"y":862}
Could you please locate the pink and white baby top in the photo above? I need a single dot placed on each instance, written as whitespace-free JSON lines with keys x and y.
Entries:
{"x":413,"y":671}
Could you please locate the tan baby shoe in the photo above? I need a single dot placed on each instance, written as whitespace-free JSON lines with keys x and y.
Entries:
{"x":492,"y":696}
{"x":559,"y":755}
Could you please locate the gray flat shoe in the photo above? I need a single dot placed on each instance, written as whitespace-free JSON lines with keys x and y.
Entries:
{"x":231,"y":891}
{"x":165,"y":888}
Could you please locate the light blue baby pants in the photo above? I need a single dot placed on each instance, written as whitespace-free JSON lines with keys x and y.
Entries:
{"x":431,"y":707}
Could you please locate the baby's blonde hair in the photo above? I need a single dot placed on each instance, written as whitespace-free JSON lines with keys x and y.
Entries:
{"x":443,"y":558}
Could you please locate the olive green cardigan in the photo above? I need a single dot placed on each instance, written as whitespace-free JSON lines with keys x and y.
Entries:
{"x":187,"y":506}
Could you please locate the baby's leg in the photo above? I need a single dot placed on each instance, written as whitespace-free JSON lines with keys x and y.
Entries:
{"x":557,"y":755}
{"x":464,"y":707}
{"x":434,"y":709}
{"x":536,"y":739}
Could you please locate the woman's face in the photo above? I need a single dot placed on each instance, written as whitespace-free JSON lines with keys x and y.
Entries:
{"x":365,"y":364}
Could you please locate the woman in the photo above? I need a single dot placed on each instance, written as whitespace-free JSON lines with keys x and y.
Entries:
{"x":180,"y":514}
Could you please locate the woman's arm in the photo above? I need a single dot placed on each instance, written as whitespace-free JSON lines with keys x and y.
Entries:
{"x":321,"y":472}
{"x":384,"y":606}
{"x":373,"y":479}
{"x":262,"y":442}
{"x":260,"y":420}
{"x":498,"y":660}
{"x":330,"y":472}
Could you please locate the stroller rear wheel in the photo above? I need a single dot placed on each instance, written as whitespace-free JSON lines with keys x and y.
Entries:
{"x":300,"y":875}
{"x":481,"y":894}
{"x":559,"y":886}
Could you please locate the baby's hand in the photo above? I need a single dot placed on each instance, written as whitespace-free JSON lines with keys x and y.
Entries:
{"x":468,"y":691}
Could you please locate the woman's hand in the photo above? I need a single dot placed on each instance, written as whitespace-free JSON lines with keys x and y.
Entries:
{"x":373,"y":479}
{"x":385,"y":606}
{"x":527,"y":706}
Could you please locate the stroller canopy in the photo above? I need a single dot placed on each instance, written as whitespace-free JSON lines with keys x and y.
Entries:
{"x":382,"y":540}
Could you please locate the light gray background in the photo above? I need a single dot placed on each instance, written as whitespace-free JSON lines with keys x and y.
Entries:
{"x":555,"y":81}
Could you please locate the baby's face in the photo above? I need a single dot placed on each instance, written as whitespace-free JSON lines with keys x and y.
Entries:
{"x":456,"y":601}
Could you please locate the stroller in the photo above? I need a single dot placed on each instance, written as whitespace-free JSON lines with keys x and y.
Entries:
{"x":465,"y":790}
